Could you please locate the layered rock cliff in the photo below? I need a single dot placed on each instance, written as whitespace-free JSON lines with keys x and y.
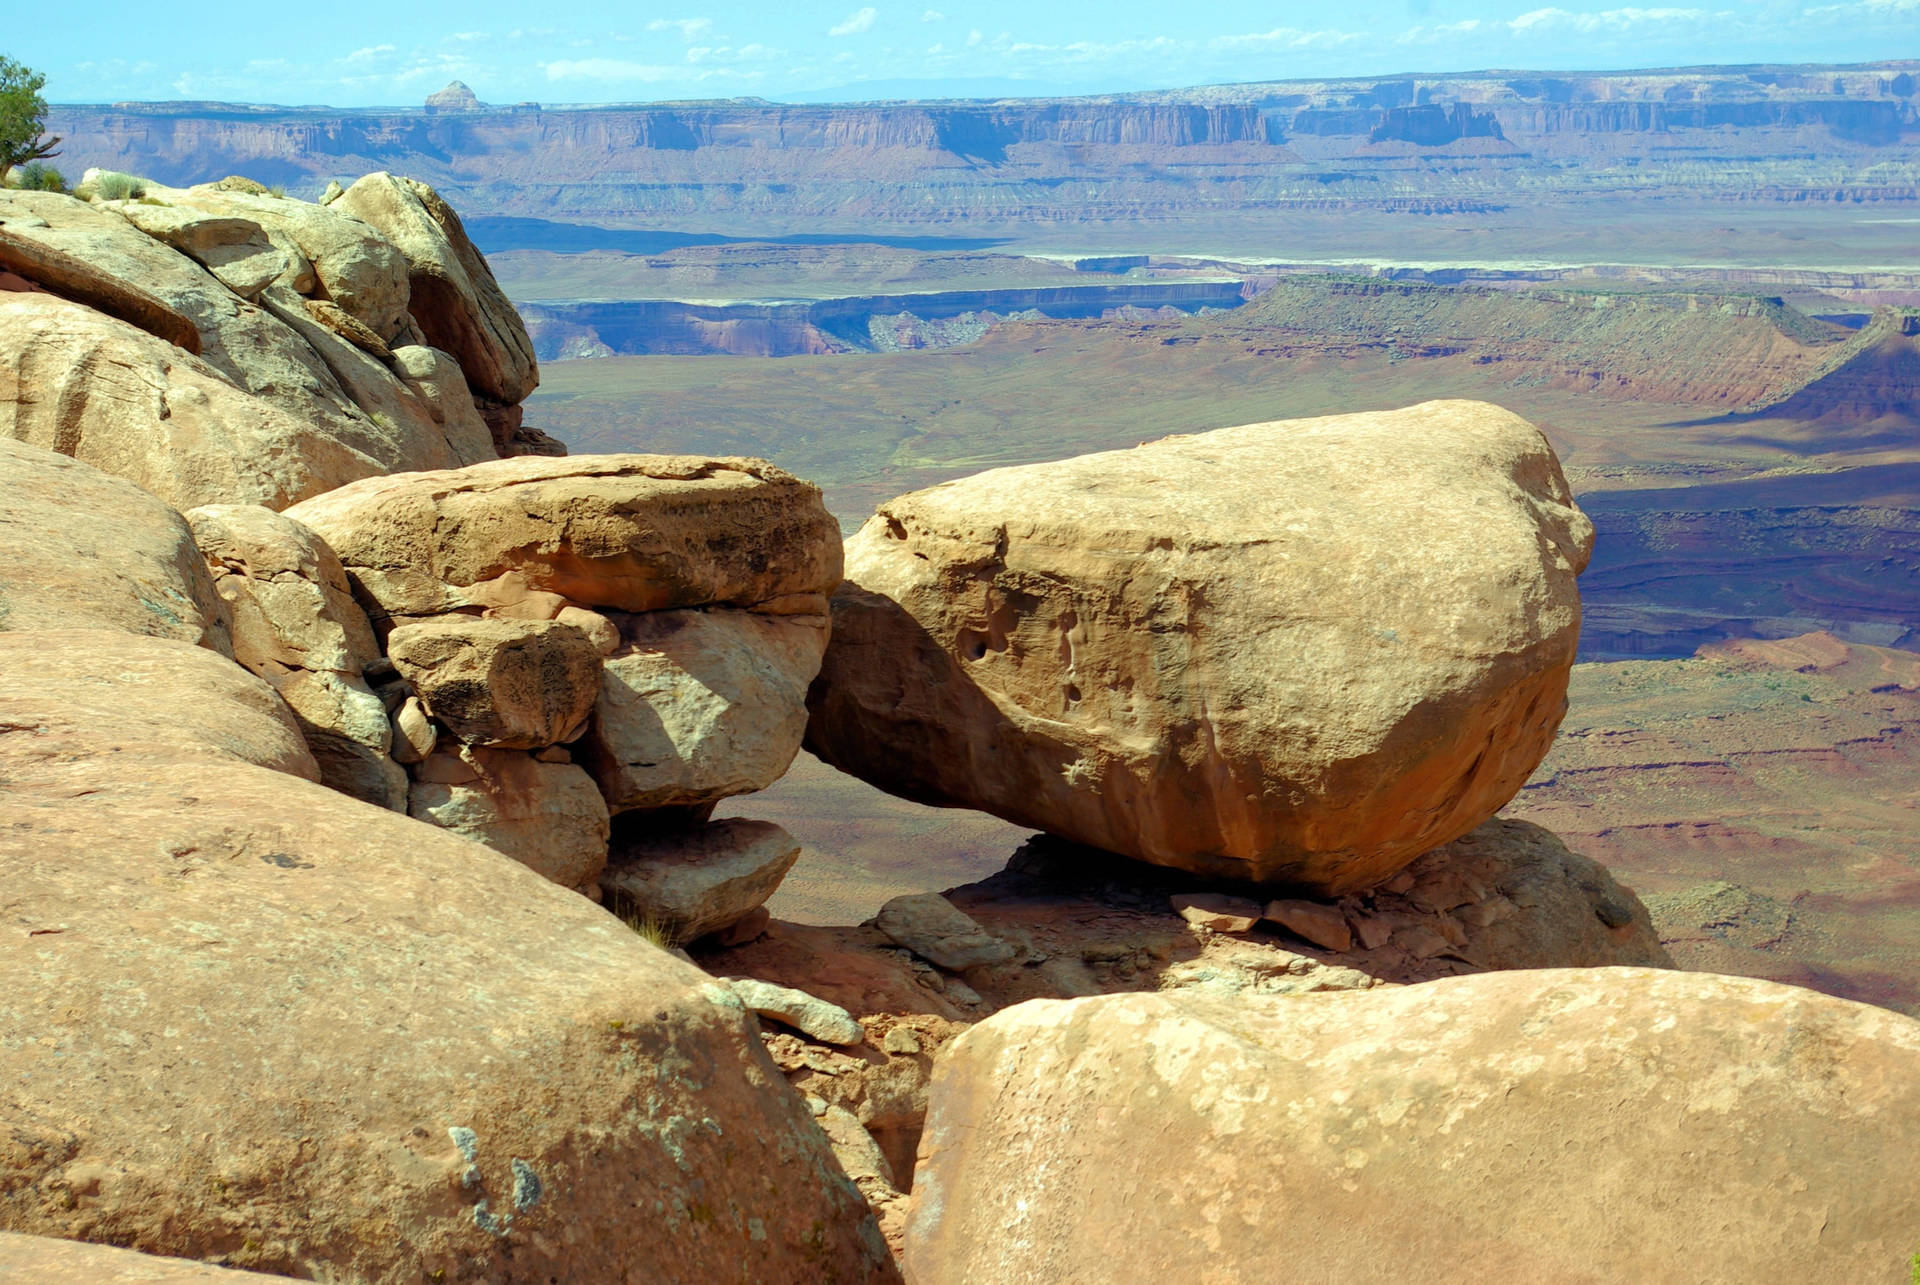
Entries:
{"x":1805,"y":133}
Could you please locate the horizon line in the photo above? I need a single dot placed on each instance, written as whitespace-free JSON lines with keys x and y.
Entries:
{"x":1879,"y":64}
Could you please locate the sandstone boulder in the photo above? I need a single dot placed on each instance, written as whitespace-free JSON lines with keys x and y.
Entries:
{"x":143,"y":696}
{"x":699,"y":879}
{"x":700,"y":705}
{"x":301,"y":1035}
{"x":513,"y":684}
{"x":828,"y":1023}
{"x":435,"y":379}
{"x":547,"y":816}
{"x":933,"y":928}
{"x":80,"y":549}
{"x":295,"y":624}
{"x":1305,"y":651}
{"x":357,"y":268}
{"x":288,"y":596}
{"x":455,"y":300}
{"x":85,"y":283}
{"x":627,"y":532}
{"x":81,"y":383}
{"x":235,"y":250}
{"x":329,"y":432}
{"x":1581,"y":1125}
{"x":42,"y":1258}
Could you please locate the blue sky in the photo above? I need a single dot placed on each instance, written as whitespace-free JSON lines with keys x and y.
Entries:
{"x":355,"y":53}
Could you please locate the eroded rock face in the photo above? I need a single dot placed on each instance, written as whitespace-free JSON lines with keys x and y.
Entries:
{"x":81,"y":549}
{"x":306,"y":409}
{"x":626,"y":532}
{"x":511,"y":684}
{"x":81,"y":383}
{"x":236,"y":250}
{"x":697,"y":706}
{"x":245,"y":940}
{"x":142,"y":696}
{"x":1615,"y":1124}
{"x":547,"y":816}
{"x":1306,"y":651}
{"x":360,"y":270}
{"x":295,"y":624}
{"x":458,"y":305}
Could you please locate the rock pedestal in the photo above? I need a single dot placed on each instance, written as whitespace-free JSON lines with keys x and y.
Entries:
{"x":602,"y":636}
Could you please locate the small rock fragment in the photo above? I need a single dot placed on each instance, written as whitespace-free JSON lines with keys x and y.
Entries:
{"x":751,"y":928}
{"x":1221,"y":913}
{"x":414,"y":736}
{"x":1420,"y":941}
{"x":901,"y":1040}
{"x":961,"y":993}
{"x":604,"y":634}
{"x":933,"y":928}
{"x":1321,"y":924}
{"x":828,"y":1023}
{"x":1372,"y":933}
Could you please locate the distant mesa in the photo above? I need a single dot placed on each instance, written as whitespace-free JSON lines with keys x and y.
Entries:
{"x":1432,"y":125}
{"x":456,"y":97}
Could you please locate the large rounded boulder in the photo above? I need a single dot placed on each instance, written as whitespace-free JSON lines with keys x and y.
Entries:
{"x":250,"y":1020}
{"x":1301,"y":652}
{"x":1611,"y":1124}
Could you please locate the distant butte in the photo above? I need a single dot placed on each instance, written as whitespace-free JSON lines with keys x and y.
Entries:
{"x":456,"y":97}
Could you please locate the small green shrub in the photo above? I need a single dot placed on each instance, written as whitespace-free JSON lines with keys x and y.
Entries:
{"x":36,"y":176}
{"x":277,"y":191}
{"x":111,"y":186}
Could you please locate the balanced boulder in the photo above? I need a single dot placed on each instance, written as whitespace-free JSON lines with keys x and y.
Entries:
{"x":1561,"y":1125}
{"x":1305,"y":651}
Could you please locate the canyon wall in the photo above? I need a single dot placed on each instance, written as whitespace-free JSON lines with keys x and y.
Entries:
{"x":1411,"y":143}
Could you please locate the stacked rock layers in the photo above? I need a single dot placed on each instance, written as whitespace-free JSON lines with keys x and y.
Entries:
{"x":571,"y":642}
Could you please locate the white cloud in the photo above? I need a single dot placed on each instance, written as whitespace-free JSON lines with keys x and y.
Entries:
{"x":933,"y":15}
{"x":857,"y":22}
{"x":689,"y":28}
{"x":1615,"y":20}
{"x":974,"y":38}
{"x":1287,"y":38}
